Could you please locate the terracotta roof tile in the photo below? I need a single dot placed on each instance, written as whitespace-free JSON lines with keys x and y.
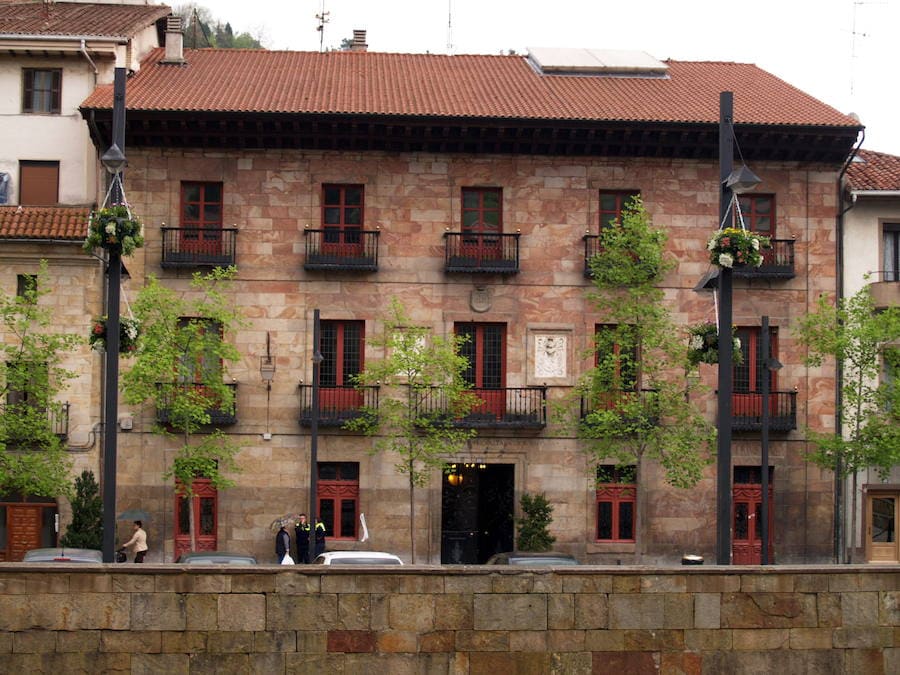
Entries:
{"x":874,"y":171}
{"x":44,"y":222}
{"x":433,"y":85}
{"x":69,"y":18}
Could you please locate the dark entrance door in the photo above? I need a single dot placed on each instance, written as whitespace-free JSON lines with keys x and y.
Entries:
{"x":476,"y":512}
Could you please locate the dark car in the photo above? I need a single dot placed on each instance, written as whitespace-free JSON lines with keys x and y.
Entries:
{"x":215,"y":558}
{"x":58,"y":554}
{"x":531,"y":558}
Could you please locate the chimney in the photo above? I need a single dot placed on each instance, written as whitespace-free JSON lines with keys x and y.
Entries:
{"x":359,"y":41}
{"x":174,"y":41}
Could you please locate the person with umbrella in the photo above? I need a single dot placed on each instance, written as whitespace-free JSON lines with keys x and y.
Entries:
{"x":282,"y":545}
{"x":139,"y":541}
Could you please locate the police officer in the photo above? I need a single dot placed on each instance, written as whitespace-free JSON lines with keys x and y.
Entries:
{"x":301,"y":530}
{"x":320,"y":537}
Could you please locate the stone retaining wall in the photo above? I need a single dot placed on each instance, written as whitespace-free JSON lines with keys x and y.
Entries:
{"x":67,"y":618}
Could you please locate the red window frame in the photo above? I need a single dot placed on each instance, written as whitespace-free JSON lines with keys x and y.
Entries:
{"x":481,"y":222}
{"x":342,"y":491}
{"x":343,"y":216}
{"x":635,"y":355}
{"x":202,"y":205}
{"x":747,"y":376}
{"x":758,"y":211}
{"x":205,"y":498}
{"x":342,"y":346}
{"x":37,"y":98}
{"x":208,"y":365}
{"x":611,"y":205}
{"x":486,"y":353}
{"x":616,"y":493}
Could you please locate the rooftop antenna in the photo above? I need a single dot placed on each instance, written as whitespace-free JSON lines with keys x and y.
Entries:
{"x":853,"y":34}
{"x":323,"y":19}
{"x":449,"y":26}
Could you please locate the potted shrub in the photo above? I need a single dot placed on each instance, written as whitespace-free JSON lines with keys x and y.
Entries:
{"x":114,"y":228}
{"x":736,"y":247}
{"x":703,"y":344}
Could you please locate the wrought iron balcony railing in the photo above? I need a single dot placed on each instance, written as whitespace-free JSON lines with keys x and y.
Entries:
{"x":778,"y":262}
{"x":333,"y":249}
{"x":645,"y":401}
{"x":504,"y":408}
{"x":198,"y":246}
{"x":746,"y":411}
{"x":481,"y":253}
{"x":57,"y":417}
{"x":337,"y":405}
{"x":217,"y":416}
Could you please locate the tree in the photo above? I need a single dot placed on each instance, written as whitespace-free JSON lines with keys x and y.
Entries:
{"x":202,"y":30}
{"x":537,"y":514}
{"x":863,"y":341}
{"x":418,"y":366}
{"x":32,"y":457}
{"x":179,"y":366}
{"x":638,"y":395}
{"x":86,"y":528}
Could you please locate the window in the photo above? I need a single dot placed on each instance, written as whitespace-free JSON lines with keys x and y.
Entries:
{"x":759,"y":213}
{"x":485,"y":350}
{"x":891,"y":246}
{"x":748,"y":374}
{"x":612,"y":203}
{"x":342,"y":214}
{"x":38,"y":183}
{"x":207,"y":367}
{"x":337,"y":493}
{"x":341,"y":346}
{"x":616,"y":357}
{"x":616,"y":493}
{"x":26,"y":286}
{"x":26,"y":384}
{"x":41,"y":90}
{"x":201,"y":218}
{"x":482,"y":210}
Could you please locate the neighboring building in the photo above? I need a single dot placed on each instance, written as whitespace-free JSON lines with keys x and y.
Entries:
{"x":471,"y":188}
{"x":53,"y":55}
{"x":871,"y":240}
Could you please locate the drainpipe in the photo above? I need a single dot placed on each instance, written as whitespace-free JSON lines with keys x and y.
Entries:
{"x":84,"y":53}
{"x":839,"y":544}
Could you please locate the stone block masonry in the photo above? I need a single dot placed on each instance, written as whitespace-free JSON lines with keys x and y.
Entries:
{"x":464,"y":620}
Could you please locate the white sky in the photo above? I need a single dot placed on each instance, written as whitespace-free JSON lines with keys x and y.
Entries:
{"x":808,"y":43}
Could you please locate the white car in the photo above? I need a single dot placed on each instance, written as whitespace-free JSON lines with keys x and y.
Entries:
{"x":357,"y":558}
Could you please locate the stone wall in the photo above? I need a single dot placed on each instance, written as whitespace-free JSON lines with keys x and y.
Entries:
{"x":171,"y":619}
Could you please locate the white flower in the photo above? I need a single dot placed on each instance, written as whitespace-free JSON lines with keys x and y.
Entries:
{"x":131,"y":330}
{"x":110,"y":228}
{"x":697,"y":342}
{"x":754,"y":242}
{"x":725,"y":260}
{"x":737,"y":343}
{"x":712,"y":244}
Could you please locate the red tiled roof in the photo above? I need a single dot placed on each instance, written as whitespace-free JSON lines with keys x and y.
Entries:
{"x":474,"y":86}
{"x":875,"y":171}
{"x":70,"y":18}
{"x":44,"y":222}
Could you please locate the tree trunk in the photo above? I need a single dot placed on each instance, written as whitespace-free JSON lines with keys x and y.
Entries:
{"x":853,"y":516}
{"x":412,"y":520}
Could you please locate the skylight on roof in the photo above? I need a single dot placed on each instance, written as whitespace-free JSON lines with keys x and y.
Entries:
{"x":572,"y":61}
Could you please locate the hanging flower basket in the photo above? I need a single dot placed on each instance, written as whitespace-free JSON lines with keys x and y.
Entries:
{"x":703,"y":345}
{"x":114,"y":228}
{"x":736,"y":247}
{"x":129,"y":329}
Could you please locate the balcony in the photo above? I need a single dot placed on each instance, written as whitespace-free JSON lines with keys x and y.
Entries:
{"x":778,"y":262}
{"x":217,"y":417}
{"x":504,"y":408}
{"x":57,"y":416}
{"x":746,"y":411}
{"x":886,"y":289}
{"x":348,"y":250}
{"x":481,"y":253}
{"x":337,"y":405}
{"x":644,"y":402}
{"x":192,"y":247}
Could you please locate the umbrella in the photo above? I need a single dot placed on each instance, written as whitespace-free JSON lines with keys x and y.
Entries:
{"x":134,"y":514}
{"x":284,"y":521}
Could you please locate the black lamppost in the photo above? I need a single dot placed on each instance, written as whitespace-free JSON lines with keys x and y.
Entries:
{"x":733,"y":182}
{"x":769,"y":363}
{"x":114,"y":162}
{"x":314,"y":437}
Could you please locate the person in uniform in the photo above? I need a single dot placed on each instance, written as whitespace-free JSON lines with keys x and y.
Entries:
{"x":301,"y":534}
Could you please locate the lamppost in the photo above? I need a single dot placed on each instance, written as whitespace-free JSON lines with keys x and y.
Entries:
{"x":769,"y":363}
{"x":113,"y":161}
{"x":733,"y":182}
{"x":314,"y":436}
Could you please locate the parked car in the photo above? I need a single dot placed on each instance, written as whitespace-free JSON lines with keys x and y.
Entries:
{"x":59,"y":554}
{"x":357,"y":558}
{"x":215,"y":558}
{"x":531,"y":558}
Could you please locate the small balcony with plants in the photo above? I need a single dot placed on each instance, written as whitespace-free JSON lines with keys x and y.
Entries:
{"x":172,"y":395}
{"x":337,"y":404}
{"x":626,"y":407}
{"x":22,"y":419}
{"x":336,"y":249}
{"x":502,"y":408}
{"x":197,"y":247}
{"x":481,"y":253}
{"x":777,"y":262}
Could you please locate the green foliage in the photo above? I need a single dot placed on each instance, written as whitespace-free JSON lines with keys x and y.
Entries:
{"x":861,"y":339}
{"x":114,"y":228}
{"x":537,"y":514}
{"x":86,"y":528}
{"x":32,"y":458}
{"x":703,"y":345}
{"x":202,"y":30}
{"x":735,"y":246}
{"x":180,"y":365}
{"x":639,"y":394}
{"x":418,"y":365}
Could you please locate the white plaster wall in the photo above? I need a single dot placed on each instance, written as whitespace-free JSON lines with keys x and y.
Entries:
{"x":862,"y":239}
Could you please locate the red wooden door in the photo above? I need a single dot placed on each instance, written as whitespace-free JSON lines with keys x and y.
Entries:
{"x":482,"y":223}
{"x":205,"y":506}
{"x":485,"y":349}
{"x":746,"y":547}
{"x":24,"y":530}
{"x":342,"y":220}
{"x":201,"y":219}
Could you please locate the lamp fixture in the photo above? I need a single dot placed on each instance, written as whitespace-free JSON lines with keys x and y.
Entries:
{"x":742,"y":180}
{"x":113,"y":159}
{"x":267,"y":364}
